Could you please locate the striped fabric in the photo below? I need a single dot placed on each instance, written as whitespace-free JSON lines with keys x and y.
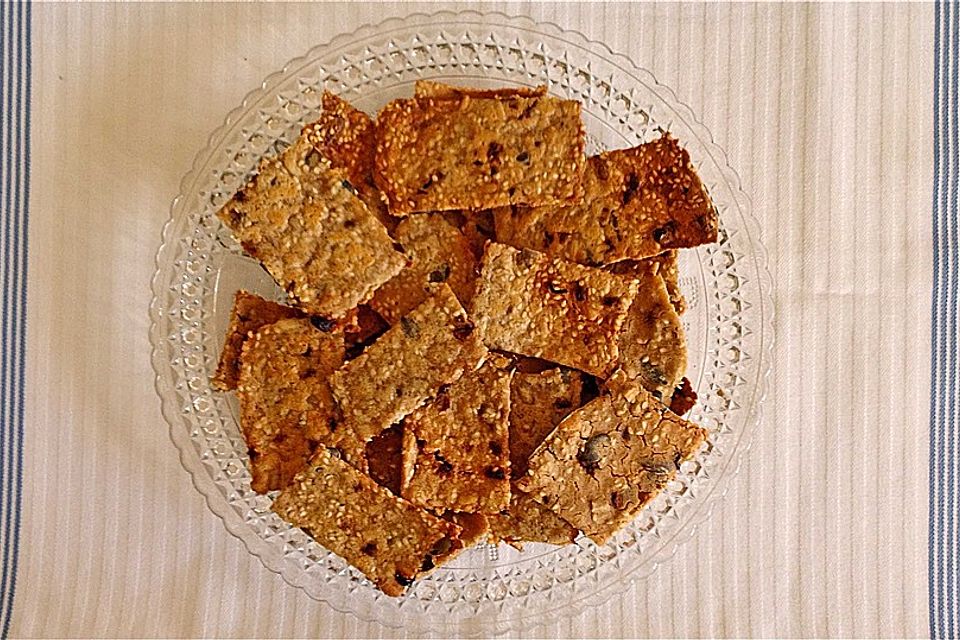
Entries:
{"x":14,"y":204}
{"x":823,"y":109}
{"x":945,"y":381}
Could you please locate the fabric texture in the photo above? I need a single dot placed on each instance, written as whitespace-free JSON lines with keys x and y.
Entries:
{"x":15,"y":67}
{"x":945,"y":350}
{"x":824,"y":111}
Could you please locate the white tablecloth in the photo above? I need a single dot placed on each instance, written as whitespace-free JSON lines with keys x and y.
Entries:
{"x":825,"y":112}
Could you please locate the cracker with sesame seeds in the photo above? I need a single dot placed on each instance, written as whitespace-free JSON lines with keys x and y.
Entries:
{"x":607,"y":460}
{"x":538,"y":402}
{"x":465,"y":152}
{"x":668,"y":268}
{"x":534,"y":305}
{"x":456,"y":452}
{"x":250,"y":312}
{"x":435,"y":344}
{"x":653,"y":345}
{"x":388,"y":539}
{"x":526,"y":520}
{"x":286,"y":408}
{"x":346,"y":138}
{"x":438,"y":252}
{"x":638,"y":203}
{"x":303,"y":221}
{"x":434,"y":89}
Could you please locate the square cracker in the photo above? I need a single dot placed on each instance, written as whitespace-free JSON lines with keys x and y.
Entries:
{"x":302,"y":219}
{"x":653,"y":345}
{"x":638,"y":203}
{"x":538,"y":402}
{"x":466,"y":152}
{"x":438,"y":252}
{"x":432,"y":346}
{"x":286,"y":408}
{"x":456,"y":452}
{"x":609,"y":459}
{"x":534,"y":305}
{"x":250,"y":312}
{"x":388,"y":539}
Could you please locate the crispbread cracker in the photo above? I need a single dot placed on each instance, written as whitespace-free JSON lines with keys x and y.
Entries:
{"x":538,"y":402}
{"x":526,"y":520}
{"x":653,"y":345}
{"x":456,"y":451}
{"x":250,"y":312}
{"x":608,"y":459}
{"x":668,"y":268}
{"x":434,"y":345}
{"x":388,"y":539}
{"x":464,"y":152}
{"x":302,"y":219}
{"x":438,"y":252}
{"x":286,"y":409}
{"x":346,"y":137}
{"x":637,"y":203}
{"x":567,"y":313}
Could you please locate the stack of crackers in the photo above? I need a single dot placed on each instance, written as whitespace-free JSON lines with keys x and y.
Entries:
{"x":482,"y":336}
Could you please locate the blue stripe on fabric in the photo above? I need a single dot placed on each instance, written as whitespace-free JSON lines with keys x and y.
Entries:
{"x":944,"y":537}
{"x":950,"y":603}
{"x":6,"y":409}
{"x":15,"y":79}
{"x":951,"y":483}
{"x":22,"y":360}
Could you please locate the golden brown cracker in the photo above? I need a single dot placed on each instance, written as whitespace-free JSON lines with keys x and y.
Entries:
{"x":457,"y":446}
{"x":286,"y":409}
{"x":534,"y":305}
{"x":464,"y":152}
{"x":388,"y":539}
{"x":608,"y":459}
{"x":249,"y":313}
{"x":433,"y":345}
{"x":637,"y":203}
{"x":438,"y":252}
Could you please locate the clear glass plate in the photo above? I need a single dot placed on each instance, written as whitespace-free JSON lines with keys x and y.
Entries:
{"x":199,"y":267}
